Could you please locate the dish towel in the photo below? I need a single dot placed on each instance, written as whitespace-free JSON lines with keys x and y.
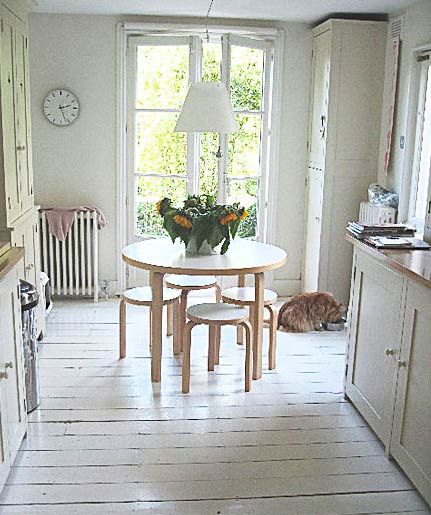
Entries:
{"x":60,"y":219}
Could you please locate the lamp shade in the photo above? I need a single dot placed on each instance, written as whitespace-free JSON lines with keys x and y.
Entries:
{"x":207,"y":108}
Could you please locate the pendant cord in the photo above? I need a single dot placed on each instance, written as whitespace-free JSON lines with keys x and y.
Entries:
{"x":206,"y":20}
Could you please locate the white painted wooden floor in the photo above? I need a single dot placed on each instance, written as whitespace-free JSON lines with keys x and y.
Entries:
{"x":106,"y":440}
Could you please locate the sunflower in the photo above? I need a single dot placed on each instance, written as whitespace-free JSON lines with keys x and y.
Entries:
{"x":183,"y":221}
{"x":244,"y":214}
{"x":230,"y":217}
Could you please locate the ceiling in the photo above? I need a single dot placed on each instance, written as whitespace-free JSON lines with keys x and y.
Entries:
{"x":285,"y":10}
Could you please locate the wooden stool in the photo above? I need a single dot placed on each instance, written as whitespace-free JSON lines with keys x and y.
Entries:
{"x":188,"y":283}
{"x":244,"y":296}
{"x":215,"y":315}
{"x":143,"y":296}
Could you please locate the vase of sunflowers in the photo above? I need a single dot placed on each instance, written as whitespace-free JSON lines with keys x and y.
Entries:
{"x":204,"y":226}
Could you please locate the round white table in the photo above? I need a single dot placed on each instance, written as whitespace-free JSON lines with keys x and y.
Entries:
{"x":161,"y":256}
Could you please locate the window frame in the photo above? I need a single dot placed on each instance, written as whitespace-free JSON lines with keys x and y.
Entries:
{"x":423,"y":82}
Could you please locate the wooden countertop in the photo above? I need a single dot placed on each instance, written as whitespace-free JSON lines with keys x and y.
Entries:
{"x":9,"y":259}
{"x":415,"y":264}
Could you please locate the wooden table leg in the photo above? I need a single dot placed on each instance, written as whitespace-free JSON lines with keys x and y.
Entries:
{"x":156,"y":326}
{"x":258,"y":325}
{"x":239,"y":328}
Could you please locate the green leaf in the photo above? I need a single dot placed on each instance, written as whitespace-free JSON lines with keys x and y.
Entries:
{"x":225,"y":246}
{"x":234,"y":227}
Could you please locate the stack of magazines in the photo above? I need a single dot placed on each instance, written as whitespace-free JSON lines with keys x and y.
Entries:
{"x":386,"y":235}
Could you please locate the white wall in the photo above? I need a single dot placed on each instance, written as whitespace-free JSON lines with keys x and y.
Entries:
{"x":416,"y":32}
{"x":77,"y":164}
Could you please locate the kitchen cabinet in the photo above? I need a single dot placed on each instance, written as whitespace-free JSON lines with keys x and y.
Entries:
{"x":388,"y":360}
{"x":343,"y":144}
{"x":13,"y":416}
{"x":18,"y":215}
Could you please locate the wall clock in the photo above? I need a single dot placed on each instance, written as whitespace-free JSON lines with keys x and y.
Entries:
{"x":61,"y":107}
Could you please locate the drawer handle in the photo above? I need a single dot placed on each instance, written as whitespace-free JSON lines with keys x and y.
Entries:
{"x":20,"y":147}
{"x":29,"y":267}
{"x":402,"y":363}
{"x":389,"y":352}
{"x":9,"y":364}
{"x":4,"y":375}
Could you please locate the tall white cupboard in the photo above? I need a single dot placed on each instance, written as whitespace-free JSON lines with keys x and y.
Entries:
{"x":18,"y":214}
{"x":344,"y":131}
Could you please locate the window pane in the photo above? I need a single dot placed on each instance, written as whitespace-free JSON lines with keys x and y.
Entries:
{"x":425,"y":156}
{"x":148,"y":191}
{"x":158,"y":148}
{"x":246,"y":78}
{"x":244,"y":146}
{"x":211,"y":61}
{"x":208,"y":169}
{"x":162,"y":76}
{"x":245,"y":192}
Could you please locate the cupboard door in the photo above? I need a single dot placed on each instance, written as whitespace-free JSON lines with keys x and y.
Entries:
{"x":13,"y":364}
{"x":4,"y":452}
{"x":22,"y":117}
{"x":313,"y":229}
{"x":374,"y":342}
{"x":319,"y":98}
{"x":11,"y":170}
{"x":411,"y":437}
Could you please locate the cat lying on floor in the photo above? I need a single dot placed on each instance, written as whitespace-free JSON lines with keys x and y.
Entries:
{"x":308,"y":311}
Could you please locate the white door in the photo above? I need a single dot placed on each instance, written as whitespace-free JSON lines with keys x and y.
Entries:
{"x":411,"y":436}
{"x":319,"y":99}
{"x":313,"y":229}
{"x":374,"y":342}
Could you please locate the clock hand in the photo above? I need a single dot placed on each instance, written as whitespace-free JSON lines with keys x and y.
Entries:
{"x":61,"y":109}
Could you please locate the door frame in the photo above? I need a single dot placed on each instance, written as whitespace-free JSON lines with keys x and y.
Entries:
{"x":124,"y":31}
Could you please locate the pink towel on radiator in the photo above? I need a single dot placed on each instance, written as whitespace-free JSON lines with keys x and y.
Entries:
{"x":60,"y":219}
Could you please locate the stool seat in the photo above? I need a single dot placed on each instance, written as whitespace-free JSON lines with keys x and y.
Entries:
{"x":190,"y":282}
{"x":143,"y":295}
{"x":216,"y":313}
{"x":245,"y":296}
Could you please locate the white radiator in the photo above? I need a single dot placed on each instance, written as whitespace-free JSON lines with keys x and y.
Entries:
{"x":377,"y":214}
{"x":73,"y":264}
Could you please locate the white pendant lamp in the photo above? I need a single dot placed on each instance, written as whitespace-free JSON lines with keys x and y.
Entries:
{"x":207,"y":108}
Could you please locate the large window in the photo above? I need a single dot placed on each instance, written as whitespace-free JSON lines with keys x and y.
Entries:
{"x":420,"y":187}
{"x":164,"y":163}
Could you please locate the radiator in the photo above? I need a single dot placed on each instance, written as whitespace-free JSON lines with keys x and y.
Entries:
{"x":73,"y":264}
{"x":377,"y":214}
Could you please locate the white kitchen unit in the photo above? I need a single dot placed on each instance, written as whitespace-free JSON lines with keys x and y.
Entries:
{"x":18,"y":215}
{"x":13,"y":413}
{"x":388,"y":368}
{"x":343,"y":144}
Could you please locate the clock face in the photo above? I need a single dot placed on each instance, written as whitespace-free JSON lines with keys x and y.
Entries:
{"x":61,"y":107}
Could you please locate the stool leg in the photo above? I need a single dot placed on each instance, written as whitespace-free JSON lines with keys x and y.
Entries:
{"x":248,"y":355}
{"x":217,"y":345}
{"x":150,"y":317}
{"x":272,"y":337}
{"x":122,"y":328}
{"x":169,"y":319}
{"x":212,"y":346}
{"x":218,"y":293}
{"x":183,"y":317}
{"x":239,"y":335}
{"x":186,"y":356}
{"x":177,"y":333}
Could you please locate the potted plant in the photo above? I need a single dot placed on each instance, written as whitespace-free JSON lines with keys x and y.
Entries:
{"x":200,"y":223}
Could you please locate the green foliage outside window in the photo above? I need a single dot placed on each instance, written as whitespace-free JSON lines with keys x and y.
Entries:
{"x":162,"y":78}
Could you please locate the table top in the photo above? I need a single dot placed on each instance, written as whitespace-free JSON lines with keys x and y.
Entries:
{"x":243,"y":257}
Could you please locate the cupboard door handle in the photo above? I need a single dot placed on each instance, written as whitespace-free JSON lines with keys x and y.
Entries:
{"x":4,"y":375}
{"x":20,"y":147}
{"x":8,"y":201}
{"x":402,"y":363}
{"x":9,"y":364}
{"x":389,"y":352}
